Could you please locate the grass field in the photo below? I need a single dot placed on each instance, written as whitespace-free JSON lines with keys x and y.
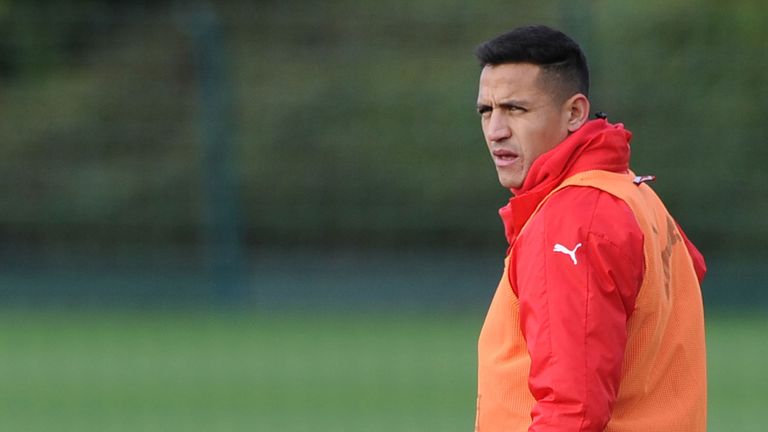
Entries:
{"x":68,"y":371}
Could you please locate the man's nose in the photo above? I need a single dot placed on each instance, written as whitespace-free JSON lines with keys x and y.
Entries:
{"x":498,"y":129}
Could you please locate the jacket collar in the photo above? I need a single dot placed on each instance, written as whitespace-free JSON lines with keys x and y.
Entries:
{"x":596,"y":145}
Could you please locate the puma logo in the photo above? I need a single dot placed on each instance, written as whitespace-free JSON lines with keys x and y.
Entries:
{"x":565,"y":250}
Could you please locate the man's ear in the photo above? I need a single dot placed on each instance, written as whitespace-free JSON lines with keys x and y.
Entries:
{"x":577,"y":109}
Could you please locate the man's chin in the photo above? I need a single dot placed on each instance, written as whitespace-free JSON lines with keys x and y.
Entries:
{"x":510,"y":183}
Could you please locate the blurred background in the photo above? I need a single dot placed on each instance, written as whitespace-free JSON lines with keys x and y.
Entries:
{"x":281,"y":215}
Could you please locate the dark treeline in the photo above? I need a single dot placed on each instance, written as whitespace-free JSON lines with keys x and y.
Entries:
{"x":353,"y":122}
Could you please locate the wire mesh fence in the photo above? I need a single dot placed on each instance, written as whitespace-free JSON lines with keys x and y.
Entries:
{"x":191,"y":136}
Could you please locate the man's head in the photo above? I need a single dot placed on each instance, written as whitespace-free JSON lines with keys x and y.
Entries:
{"x":533,"y":93}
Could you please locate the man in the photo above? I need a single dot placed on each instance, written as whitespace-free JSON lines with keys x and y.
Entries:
{"x":597,"y":323}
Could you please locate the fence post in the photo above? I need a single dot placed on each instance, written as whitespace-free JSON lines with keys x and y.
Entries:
{"x":225,"y":255}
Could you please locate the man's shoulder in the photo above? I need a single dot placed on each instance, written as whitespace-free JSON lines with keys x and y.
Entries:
{"x":587,"y":210}
{"x":599,"y":224}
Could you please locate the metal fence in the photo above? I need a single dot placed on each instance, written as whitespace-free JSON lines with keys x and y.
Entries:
{"x":181,"y":152}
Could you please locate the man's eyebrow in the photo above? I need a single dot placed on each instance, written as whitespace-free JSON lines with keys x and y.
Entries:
{"x":510,"y":103}
{"x":518,"y":103}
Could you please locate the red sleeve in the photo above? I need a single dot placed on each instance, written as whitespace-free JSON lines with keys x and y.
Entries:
{"x":699,"y":265}
{"x":579,"y":268}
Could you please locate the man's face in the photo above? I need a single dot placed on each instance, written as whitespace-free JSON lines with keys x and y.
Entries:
{"x":521,"y":118}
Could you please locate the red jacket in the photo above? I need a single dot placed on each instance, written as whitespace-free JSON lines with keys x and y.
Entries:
{"x":576,"y":338}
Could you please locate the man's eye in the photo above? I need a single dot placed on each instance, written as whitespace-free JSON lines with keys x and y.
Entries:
{"x":484,"y":111}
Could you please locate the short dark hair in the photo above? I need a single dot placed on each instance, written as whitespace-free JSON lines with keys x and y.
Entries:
{"x":560,"y":58}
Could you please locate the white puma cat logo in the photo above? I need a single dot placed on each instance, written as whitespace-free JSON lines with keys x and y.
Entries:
{"x":565,"y":250}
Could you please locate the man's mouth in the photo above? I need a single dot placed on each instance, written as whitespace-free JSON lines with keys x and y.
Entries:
{"x":503,"y":157}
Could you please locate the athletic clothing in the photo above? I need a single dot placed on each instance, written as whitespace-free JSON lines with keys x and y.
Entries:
{"x":597,"y":323}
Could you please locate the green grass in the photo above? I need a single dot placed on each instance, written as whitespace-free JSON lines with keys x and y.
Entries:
{"x":68,"y":371}
{"x":737,"y":355}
